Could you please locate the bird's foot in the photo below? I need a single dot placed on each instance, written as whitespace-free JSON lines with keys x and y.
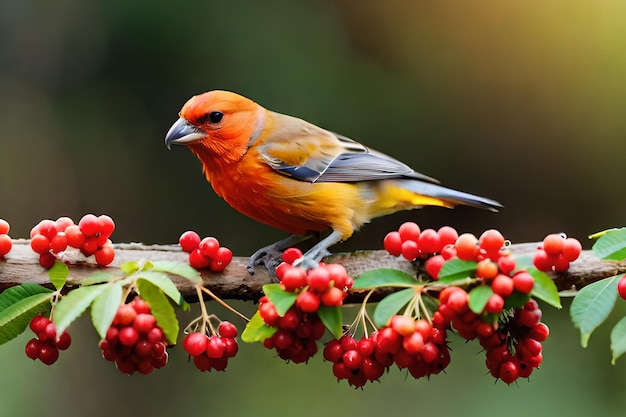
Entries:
{"x":311,"y":259}
{"x":270,"y":257}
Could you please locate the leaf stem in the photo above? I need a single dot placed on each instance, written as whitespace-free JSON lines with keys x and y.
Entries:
{"x":221,"y":302}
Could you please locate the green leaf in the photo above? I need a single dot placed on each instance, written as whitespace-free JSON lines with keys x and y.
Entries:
{"x":383,"y":277}
{"x":15,"y":318}
{"x":611,"y":245}
{"x":162,"y":309}
{"x":282,"y":300}
{"x":544,"y":288}
{"x":19,"y":292}
{"x":331,"y":317}
{"x":129,"y":267}
{"x":257,"y":330}
{"x":618,"y":340}
{"x":105,"y":306}
{"x":178,"y":268}
{"x":97,"y":277}
{"x":58,"y":274}
{"x":523,"y":262}
{"x":163,"y":281}
{"x":478,"y":298}
{"x":516,"y":300}
{"x":592,"y":306}
{"x":72,"y":305}
{"x":456,"y":270}
{"x":390,"y":305}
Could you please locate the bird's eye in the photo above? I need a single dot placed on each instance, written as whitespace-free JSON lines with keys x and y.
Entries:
{"x":211,"y":117}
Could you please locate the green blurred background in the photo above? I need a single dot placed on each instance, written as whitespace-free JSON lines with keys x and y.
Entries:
{"x":522,"y":102}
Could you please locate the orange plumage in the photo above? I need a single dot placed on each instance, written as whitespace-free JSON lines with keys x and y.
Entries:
{"x":295,"y":176}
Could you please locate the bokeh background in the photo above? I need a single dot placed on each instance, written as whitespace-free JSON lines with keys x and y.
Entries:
{"x":522,"y":102}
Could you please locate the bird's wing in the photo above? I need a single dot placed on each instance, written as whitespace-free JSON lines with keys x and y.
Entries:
{"x":313,"y":154}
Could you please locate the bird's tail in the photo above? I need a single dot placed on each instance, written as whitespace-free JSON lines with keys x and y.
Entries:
{"x":434,"y":194}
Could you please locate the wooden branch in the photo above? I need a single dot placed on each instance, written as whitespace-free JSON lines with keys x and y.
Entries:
{"x":22,"y":265}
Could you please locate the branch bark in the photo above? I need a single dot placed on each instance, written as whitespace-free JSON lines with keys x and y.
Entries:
{"x":22,"y":265}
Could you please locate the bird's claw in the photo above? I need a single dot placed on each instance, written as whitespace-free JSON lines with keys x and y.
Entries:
{"x":268,"y":257}
{"x":311,"y":260}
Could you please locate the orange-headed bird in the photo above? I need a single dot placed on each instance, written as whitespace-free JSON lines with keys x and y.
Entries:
{"x":297,"y":177}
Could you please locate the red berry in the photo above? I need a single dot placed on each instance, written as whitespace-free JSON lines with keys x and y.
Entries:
{"x":189,"y":241}
{"x":128,"y":336}
{"x":75,"y":238}
{"x":393,"y":243}
{"x":90,"y":245}
{"x":5,"y":244}
{"x":447,"y":235}
{"x":47,"y":260}
{"x":621,"y":287}
{"x":338,"y":275}
{"x":403,"y":325}
{"x":209,"y":246}
{"x":542,"y":261}
{"x":458,"y":301}
{"x":227,"y":329}
{"x":365,"y":346}
{"x":268,"y":313}
{"x":140,"y":305}
{"x":560,"y":263}
{"x":318,"y":279}
{"x":290,"y":255}
{"x":125,"y":315}
{"x":144,"y":322}
{"x":49,"y":332}
{"x":63,"y":223}
{"x":491,"y":241}
{"x":409,"y":231}
{"x":506,"y":264}
{"x":502,"y":285}
{"x":571,"y":249}
{"x":4,"y":227}
{"x":540,"y":332}
{"x":528,"y":318}
{"x":215,"y":347}
{"x":352,"y":359}
{"x":333,"y":351}
{"x":40,"y":244}
{"x":495,"y":304}
{"x":155,"y":335}
{"x":221,"y":259}
{"x":553,"y":244}
{"x":333,"y":296}
{"x":486,"y":269}
{"x":64,"y":341}
{"x":523,"y":282}
{"x":466,"y":247}
{"x":293,"y":278}
{"x":48,"y":354}
{"x":158,"y":350}
{"x":58,"y":243}
{"x":308,"y":301}
{"x":33,"y":348}
{"x":409,"y":249}
{"x":106,"y":225}
{"x":428,"y":242}
{"x":47,"y":228}
{"x":89,"y":225}
{"x":105,"y":255}
{"x":508,"y":372}
{"x":433,"y":266}
{"x":38,"y":324}
{"x":197,"y":259}
{"x":230,"y":347}
{"x":413,"y":343}
{"x":195,"y":343}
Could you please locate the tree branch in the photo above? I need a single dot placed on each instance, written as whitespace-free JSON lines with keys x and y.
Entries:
{"x":22,"y":265}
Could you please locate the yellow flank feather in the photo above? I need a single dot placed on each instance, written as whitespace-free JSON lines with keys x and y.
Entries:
{"x":391,"y":198}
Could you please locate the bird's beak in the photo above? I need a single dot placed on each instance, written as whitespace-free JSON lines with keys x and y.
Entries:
{"x":183,"y":132}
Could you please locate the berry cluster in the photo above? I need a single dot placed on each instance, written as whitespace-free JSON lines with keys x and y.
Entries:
{"x":51,"y":238}
{"x":134,"y":341}
{"x":411,"y":344}
{"x":212,"y":352}
{"x":300,"y":327}
{"x":205,"y":253}
{"x":5,"y":241}
{"x":46,"y":345}
{"x":556,"y":252}
{"x":412,"y":243}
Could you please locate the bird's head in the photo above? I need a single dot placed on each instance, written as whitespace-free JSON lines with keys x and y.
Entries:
{"x":220,"y":122}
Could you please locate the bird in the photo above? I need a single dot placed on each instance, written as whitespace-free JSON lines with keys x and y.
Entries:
{"x":290,"y":174}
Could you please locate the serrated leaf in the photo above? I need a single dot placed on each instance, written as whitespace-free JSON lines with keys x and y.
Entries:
{"x":390,"y":305}
{"x":544,"y":288}
{"x":19,"y":292}
{"x":105,"y":306}
{"x":58,"y":274}
{"x":331,"y":317}
{"x":456,"y":270}
{"x":161,"y":309}
{"x":282,"y":300}
{"x":163,"y":281}
{"x":15,"y":318}
{"x":592,"y":306}
{"x":72,"y":305}
{"x":129,"y":267}
{"x":618,"y":340}
{"x":383,"y":277}
{"x":97,"y":277}
{"x":478,"y":298}
{"x":611,"y":245}
{"x":178,"y":268}
{"x":257,"y":330}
